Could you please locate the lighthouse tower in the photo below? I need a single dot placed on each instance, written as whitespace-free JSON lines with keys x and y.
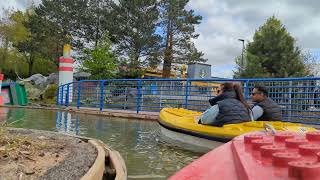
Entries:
{"x":66,"y":73}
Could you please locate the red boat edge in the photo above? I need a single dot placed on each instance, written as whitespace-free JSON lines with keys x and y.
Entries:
{"x":259,"y":155}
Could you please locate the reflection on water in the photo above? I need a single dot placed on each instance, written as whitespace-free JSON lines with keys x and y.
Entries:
{"x":136,"y":140}
{"x":3,"y":115}
{"x":65,"y":123}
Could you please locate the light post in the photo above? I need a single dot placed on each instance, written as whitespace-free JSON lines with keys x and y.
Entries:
{"x":242,"y":62}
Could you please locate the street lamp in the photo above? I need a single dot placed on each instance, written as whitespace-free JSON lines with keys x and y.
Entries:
{"x":242,"y":63}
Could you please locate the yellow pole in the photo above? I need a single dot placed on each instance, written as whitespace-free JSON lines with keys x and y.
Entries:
{"x":67,"y":51}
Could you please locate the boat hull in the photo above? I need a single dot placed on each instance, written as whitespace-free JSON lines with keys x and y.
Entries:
{"x":186,"y":141}
{"x":178,"y":126}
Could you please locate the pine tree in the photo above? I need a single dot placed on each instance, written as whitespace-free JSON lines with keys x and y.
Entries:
{"x":272,"y":53}
{"x":81,"y":22}
{"x":177,"y":24}
{"x":132,"y":28}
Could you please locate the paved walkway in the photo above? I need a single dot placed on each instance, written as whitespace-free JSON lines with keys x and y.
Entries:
{"x":119,"y":113}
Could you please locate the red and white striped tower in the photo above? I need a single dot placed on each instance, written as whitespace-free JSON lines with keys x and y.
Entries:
{"x":1,"y":98}
{"x":66,"y":70}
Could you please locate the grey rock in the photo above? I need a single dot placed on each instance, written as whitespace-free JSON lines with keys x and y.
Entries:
{"x":41,"y":81}
{"x":53,"y":78}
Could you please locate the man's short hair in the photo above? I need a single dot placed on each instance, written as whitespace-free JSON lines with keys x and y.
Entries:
{"x":262,"y":89}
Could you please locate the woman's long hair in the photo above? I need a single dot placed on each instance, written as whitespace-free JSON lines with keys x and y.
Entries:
{"x":236,"y":87}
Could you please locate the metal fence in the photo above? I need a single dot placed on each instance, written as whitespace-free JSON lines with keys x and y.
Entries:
{"x":298,"y":97}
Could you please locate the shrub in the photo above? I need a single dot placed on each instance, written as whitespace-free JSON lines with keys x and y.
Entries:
{"x":51,"y":91}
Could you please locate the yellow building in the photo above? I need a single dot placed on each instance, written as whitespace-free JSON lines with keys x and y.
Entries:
{"x":180,"y":72}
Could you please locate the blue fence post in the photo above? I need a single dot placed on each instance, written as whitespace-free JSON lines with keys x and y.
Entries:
{"x":67,"y":95}
{"x":290,"y":101}
{"x":58,"y":97}
{"x":79,"y":94}
{"x":187,"y":94}
{"x":101,"y":94}
{"x":246,"y":89}
{"x":61,"y":95}
{"x":139,"y":96}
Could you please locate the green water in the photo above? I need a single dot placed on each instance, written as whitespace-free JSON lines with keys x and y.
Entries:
{"x":137,"y":141}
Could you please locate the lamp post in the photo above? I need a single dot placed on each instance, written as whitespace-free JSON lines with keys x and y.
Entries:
{"x":242,"y":63}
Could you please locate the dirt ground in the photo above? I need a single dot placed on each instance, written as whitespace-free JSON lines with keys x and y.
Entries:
{"x":33,"y":154}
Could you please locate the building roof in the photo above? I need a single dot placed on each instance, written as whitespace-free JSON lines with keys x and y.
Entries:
{"x":81,"y":74}
{"x":199,"y":64}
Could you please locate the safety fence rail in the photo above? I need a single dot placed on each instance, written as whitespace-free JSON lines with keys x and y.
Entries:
{"x":299,"y":98}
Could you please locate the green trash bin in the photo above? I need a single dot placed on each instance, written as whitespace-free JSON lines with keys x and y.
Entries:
{"x":21,"y":94}
{"x":14,"y":94}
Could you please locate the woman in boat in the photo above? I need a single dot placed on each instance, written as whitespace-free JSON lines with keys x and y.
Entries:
{"x":229,"y":107}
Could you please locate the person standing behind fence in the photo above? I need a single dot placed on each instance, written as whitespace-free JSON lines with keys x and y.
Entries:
{"x":229,"y":107}
{"x":264,"y":108}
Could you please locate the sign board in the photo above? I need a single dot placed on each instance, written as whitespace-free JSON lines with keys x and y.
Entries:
{"x":6,"y":96}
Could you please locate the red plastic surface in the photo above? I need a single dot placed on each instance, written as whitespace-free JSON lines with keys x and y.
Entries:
{"x":256,"y":144}
{"x":313,"y":136}
{"x":268,"y":150}
{"x":1,"y":77}
{"x":207,"y":167}
{"x":251,"y":137}
{"x":295,"y":142}
{"x":282,"y":136}
{"x":285,"y":156}
{"x":304,"y":170}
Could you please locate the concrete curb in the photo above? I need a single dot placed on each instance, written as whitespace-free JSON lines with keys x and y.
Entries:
{"x":110,"y":163}
{"x":97,"y":169}
{"x":117,"y":162}
{"x":152,"y":116}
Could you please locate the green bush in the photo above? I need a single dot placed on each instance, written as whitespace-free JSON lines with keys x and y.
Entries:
{"x":14,"y":63}
{"x":43,"y":66}
{"x":51,"y":91}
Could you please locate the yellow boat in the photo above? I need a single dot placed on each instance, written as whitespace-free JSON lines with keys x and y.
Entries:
{"x":179,"y":124}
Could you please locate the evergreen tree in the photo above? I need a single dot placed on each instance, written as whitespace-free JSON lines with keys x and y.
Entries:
{"x":40,"y":43}
{"x":81,"y":22}
{"x":177,"y":23}
{"x":100,"y":62}
{"x":132,"y":28}
{"x":94,"y":21}
{"x":48,"y":36}
{"x":272,"y":54}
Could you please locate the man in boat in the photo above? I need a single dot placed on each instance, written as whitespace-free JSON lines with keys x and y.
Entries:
{"x":264,"y":108}
{"x":229,"y":107}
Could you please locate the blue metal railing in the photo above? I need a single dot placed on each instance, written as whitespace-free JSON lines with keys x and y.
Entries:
{"x":299,"y":97}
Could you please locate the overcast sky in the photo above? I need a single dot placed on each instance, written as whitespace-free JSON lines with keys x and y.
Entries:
{"x":225,"y":21}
